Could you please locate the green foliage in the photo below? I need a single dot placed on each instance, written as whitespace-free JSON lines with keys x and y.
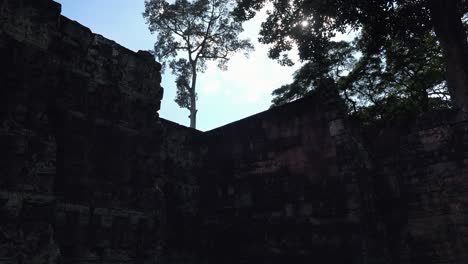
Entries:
{"x":188,"y":35}
{"x":394,"y":109}
{"x":182,"y":70}
{"x":337,"y":61}
{"x":396,"y":80}
{"x":393,"y":66}
{"x":311,"y":24}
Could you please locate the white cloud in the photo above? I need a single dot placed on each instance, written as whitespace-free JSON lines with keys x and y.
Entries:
{"x":210,"y":87}
{"x":254,"y":79}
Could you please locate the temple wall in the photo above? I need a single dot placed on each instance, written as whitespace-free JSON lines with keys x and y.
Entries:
{"x":81,"y":174}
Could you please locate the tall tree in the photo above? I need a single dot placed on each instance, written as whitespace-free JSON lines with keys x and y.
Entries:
{"x":311,"y":24}
{"x":446,"y":18}
{"x":189,"y":34}
{"x":402,"y":78}
{"x":397,"y":79}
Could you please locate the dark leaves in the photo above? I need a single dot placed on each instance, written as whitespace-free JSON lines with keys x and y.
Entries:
{"x":394,"y":56}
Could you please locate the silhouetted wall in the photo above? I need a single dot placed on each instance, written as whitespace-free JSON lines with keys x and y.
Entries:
{"x":284,"y":187}
{"x":81,"y":177}
{"x":303,"y":183}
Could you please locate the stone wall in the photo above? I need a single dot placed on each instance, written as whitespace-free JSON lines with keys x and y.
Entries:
{"x":303,"y":182}
{"x":83,"y":154}
{"x":420,"y":184}
{"x":291,"y":189}
{"x":90,"y":174}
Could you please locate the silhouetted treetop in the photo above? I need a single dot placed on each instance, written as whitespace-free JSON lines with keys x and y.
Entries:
{"x":312,"y":24}
{"x":190,"y":33}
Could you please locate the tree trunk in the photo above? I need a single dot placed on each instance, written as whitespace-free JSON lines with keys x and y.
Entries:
{"x":446,"y":19}
{"x":193,"y":101}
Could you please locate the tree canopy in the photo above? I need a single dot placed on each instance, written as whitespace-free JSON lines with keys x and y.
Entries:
{"x":407,"y":49}
{"x":397,"y":79}
{"x":189,"y":34}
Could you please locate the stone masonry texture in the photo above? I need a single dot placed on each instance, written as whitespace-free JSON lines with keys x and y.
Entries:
{"x":89,"y":173}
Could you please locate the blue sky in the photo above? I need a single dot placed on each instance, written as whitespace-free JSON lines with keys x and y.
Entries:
{"x":223,"y":96}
